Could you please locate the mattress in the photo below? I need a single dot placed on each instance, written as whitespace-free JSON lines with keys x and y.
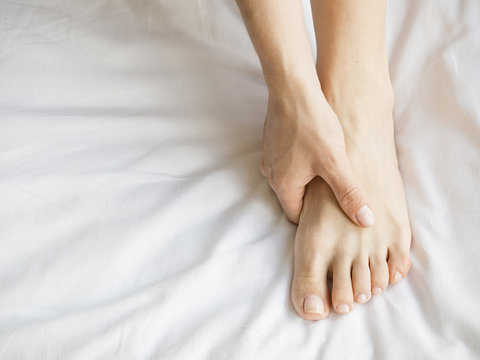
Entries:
{"x":134,"y":220}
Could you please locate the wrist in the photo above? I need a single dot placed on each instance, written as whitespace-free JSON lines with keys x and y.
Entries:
{"x":297,"y":99}
{"x":292,"y":81}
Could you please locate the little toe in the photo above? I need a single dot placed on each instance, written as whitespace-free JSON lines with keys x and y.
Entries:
{"x":361,"y":281}
{"x":379,"y":274}
{"x":342,"y":292}
{"x":398,"y":265}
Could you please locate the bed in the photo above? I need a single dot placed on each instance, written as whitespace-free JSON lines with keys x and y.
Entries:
{"x":134,"y":220}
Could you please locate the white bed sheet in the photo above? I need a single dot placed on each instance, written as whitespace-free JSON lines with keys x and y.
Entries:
{"x":134,"y":221}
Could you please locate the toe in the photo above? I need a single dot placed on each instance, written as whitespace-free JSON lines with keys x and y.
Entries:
{"x":342,"y":292}
{"x":309,"y":296}
{"x":398,"y":264}
{"x":309,"y":292}
{"x":379,"y":273}
{"x":361,"y":280}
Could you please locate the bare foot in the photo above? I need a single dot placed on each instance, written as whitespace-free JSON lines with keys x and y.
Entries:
{"x":361,"y":261}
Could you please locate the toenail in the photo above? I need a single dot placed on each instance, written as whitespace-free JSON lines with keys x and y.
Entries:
{"x":377,"y":290}
{"x":313,"y":304}
{"x":361,"y":298}
{"x":343,"y":308}
{"x":365,"y":216}
{"x":397,"y":277}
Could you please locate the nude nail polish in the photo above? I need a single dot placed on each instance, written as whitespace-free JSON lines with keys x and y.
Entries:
{"x":365,"y":216}
{"x":397,"y":277}
{"x":343,"y":308}
{"x":377,"y":290}
{"x":361,"y":298}
{"x":313,"y":304}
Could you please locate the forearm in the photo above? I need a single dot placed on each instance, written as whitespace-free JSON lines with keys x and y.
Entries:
{"x":278,"y":33}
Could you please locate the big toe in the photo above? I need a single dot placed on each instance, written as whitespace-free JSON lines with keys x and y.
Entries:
{"x":309,"y":296}
{"x":309,"y":291}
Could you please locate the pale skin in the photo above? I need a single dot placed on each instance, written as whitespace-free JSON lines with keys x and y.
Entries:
{"x":302,"y":135}
{"x":337,"y":108}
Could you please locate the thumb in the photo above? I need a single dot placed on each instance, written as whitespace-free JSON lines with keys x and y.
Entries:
{"x":351,"y":197}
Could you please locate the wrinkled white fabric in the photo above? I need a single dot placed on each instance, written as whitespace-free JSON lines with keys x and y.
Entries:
{"x":135,"y":224}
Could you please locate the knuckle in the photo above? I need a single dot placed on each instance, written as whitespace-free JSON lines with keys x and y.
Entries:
{"x":332,"y":166}
{"x":274,"y":182}
{"x":329,"y":162}
{"x":350,"y":196}
{"x":262,"y":169}
{"x":278,"y":182}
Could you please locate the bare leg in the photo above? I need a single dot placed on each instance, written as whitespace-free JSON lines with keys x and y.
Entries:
{"x":353,"y":71}
{"x":302,"y":137}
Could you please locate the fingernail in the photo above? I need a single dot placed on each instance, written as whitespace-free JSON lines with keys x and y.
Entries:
{"x":365,"y":216}
{"x":397,"y":277}
{"x":313,"y":304}
{"x":343,"y":308}
{"x":361,"y":298}
{"x":376,"y":290}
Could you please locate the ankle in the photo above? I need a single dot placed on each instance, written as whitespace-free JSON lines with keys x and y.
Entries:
{"x":355,"y":79}
{"x":359,"y":91}
{"x":363,"y":104}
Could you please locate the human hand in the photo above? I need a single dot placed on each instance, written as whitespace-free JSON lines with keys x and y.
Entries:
{"x":303,"y":138}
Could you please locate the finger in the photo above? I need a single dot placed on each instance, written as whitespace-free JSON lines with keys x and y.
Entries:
{"x":351,"y":197}
{"x":291,"y":199}
{"x":292,"y":202}
{"x":262,"y":166}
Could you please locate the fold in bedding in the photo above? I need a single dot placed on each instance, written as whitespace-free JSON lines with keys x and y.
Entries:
{"x":134,"y":221}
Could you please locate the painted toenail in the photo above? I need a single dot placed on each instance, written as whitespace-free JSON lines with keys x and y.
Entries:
{"x":343,"y":308}
{"x":361,"y":298}
{"x":377,"y":290}
{"x":397,"y":277}
{"x":313,"y":304}
{"x":365,"y":216}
